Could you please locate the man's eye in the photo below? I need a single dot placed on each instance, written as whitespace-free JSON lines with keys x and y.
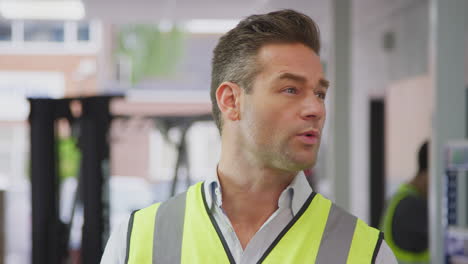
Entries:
{"x":291,"y":90}
{"x":321,"y":95}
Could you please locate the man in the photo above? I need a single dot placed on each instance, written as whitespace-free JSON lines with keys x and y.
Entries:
{"x":268,"y":90}
{"x":406,"y":222}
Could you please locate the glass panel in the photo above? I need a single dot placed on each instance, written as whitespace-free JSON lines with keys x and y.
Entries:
{"x":5,"y":31}
{"x":49,"y":31}
{"x":83,"y":31}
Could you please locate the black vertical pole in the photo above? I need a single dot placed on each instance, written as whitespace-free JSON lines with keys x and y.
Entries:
{"x":377,"y":161}
{"x":181,"y":149}
{"x":95,"y":122}
{"x":44,"y":183}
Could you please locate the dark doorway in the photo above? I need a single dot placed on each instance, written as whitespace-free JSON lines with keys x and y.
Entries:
{"x":377,"y":160}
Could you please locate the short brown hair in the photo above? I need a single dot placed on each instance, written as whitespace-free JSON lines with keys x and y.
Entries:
{"x":234,"y":57}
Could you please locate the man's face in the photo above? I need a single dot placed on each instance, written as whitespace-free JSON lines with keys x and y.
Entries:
{"x":282,"y":118}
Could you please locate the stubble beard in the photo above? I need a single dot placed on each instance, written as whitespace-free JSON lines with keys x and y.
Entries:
{"x":280,"y":153}
{"x":292,"y":160}
{"x":275,"y":151}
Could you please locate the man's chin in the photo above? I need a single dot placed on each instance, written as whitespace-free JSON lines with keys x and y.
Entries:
{"x":300,"y":165}
{"x":307,"y":166}
{"x":306,"y":160}
{"x":298,"y":161}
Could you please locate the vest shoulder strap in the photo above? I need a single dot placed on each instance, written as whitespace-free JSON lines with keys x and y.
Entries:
{"x":338,"y":233}
{"x":356,"y":241}
{"x":169,"y":226}
{"x":155,"y":232}
{"x":140,"y":235}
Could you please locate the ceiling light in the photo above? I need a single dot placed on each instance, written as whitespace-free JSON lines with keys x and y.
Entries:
{"x":210,"y":26}
{"x":34,"y":9}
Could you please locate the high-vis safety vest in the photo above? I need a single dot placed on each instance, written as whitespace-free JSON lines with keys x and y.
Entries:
{"x":403,"y":256}
{"x":181,"y":230}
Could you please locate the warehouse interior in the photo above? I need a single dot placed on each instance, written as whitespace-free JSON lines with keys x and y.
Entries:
{"x":102,"y":100}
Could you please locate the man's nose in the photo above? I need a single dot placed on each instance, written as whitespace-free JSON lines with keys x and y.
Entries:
{"x":313,"y":108}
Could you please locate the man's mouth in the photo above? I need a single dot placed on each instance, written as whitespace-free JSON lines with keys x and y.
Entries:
{"x":309,"y":137}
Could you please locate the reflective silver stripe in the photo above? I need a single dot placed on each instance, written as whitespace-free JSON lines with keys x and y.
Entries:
{"x":169,"y":227}
{"x":337,"y":237}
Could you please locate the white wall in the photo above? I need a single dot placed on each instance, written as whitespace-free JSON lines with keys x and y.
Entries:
{"x":374,"y":68}
{"x":408,"y":112}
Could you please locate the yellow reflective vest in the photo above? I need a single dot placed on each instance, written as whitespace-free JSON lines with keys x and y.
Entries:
{"x":181,"y":230}
{"x":403,"y":256}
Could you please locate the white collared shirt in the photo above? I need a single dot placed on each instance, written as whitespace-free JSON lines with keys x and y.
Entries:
{"x":287,"y":209}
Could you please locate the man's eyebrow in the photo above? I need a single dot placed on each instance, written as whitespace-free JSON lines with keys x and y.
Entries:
{"x":324,"y":83}
{"x":291,"y":76}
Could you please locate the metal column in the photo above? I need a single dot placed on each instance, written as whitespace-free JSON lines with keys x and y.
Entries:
{"x":47,"y":230}
{"x":447,"y":38}
{"x":341,"y":102}
{"x":94,"y":174}
{"x":49,"y":233}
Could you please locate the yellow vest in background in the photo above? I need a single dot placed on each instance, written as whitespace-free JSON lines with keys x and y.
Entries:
{"x":403,"y":256}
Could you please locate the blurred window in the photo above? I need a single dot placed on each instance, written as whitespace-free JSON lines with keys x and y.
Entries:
{"x":44,"y":31}
{"x":5,"y":31}
{"x":83,"y":31}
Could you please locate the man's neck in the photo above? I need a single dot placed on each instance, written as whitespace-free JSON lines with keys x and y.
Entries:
{"x":250,"y":194}
{"x":419,"y":183}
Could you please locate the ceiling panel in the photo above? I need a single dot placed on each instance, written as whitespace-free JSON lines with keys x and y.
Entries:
{"x":146,"y":10}
{"x":155,"y":10}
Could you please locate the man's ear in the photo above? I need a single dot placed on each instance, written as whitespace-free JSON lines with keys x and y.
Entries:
{"x":228,"y":96}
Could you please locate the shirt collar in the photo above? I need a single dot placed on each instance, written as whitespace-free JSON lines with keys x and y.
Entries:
{"x":302,"y":191}
{"x":212,"y":189}
{"x":293,"y":197}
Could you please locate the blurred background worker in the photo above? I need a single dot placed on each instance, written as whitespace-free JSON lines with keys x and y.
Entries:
{"x":405,"y":223}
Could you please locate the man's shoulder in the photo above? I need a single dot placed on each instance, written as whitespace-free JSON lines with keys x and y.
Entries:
{"x":150,"y":207}
{"x":176,"y":199}
{"x":411,"y":203}
{"x":339,"y":210}
{"x":338,"y":216}
{"x":343,"y":226}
